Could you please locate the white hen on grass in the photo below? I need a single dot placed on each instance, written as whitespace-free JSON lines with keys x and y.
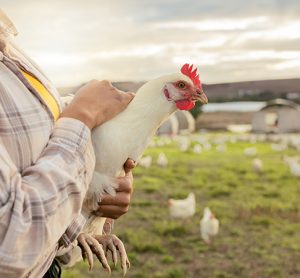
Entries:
{"x":209,"y":226}
{"x":182,"y":208}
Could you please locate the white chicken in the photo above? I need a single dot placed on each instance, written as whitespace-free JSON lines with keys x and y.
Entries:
{"x":221,"y":148}
{"x":162,"y":160}
{"x":209,"y":226}
{"x":197,"y":149}
{"x":251,"y":151}
{"x":184,"y":145}
{"x":207,"y":146}
{"x":279,"y":147}
{"x":295,"y":169}
{"x":182,"y":208}
{"x":153,"y":103}
{"x":257,"y":165}
{"x":145,"y":161}
{"x":289,"y":160}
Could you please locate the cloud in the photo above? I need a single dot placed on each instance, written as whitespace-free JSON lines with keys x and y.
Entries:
{"x":213,"y":25}
{"x":229,"y":40}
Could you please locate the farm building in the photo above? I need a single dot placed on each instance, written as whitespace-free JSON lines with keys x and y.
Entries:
{"x":225,"y":115}
{"x":221,"y":120}
{"x":277,"y":116}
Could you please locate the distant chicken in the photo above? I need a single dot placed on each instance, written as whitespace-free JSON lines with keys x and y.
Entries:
{"x":289,"y":160}
{"x":251,"y":151}
{"x":293,"y":163}
{"x":197,"y":149}
{"x":279,"y":147}
{"x":209,"y":226}
{"x":145,"y":161}
{"x":207,"y":146}
{"x":128,"y":134}
{"x":221,"y":148}
{"x":184,"y":145}
{"x":182,"y":208}
{"x":162,"y":160}
{"x":295,"y":169}
{"x":257,"y":165}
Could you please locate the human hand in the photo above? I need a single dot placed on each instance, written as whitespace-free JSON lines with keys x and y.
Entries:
{"x":115,"y":206}
{"x":97,"y":102}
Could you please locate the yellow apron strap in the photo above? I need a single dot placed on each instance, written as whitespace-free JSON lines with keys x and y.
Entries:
{"x":44,"y":93}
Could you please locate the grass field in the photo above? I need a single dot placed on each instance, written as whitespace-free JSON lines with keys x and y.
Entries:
{"x":259,"y":213}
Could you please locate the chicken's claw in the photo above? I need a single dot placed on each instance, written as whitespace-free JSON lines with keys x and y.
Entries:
{"x":113,"y":244}
{"x":89,"y":246}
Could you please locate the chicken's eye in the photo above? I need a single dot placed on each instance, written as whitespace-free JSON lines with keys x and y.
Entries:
{"x":181,"y":85}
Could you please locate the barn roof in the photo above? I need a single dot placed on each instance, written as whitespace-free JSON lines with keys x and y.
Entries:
{"x":281,"y":102}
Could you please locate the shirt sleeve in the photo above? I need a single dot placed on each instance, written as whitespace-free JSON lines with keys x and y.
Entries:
{"x":38,"y":205}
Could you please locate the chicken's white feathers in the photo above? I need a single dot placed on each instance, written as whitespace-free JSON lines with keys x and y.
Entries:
{"x":95,"y":192}
{"x":145,"y":161}
{"x":127,"y":135}
{"x":221,"y":148}
{"x":251,"y":151}
{"x":197,"y":149}
{"x":289,"y":160}
{"x":295,"y":169}
{"x":182,"y":208}
{"x":162,"y":160}
{"x":209,"y":225}
{"x":257,"y":165}
{"x":115,"y":140}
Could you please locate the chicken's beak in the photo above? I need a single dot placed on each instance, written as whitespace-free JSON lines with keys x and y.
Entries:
{"x":201,"y":96}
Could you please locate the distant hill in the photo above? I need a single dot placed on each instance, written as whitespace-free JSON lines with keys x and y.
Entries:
{"x":238,"y":91}
{"x":254,"y":90}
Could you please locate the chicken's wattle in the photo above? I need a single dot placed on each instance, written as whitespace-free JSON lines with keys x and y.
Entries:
{"x":185,"y":104}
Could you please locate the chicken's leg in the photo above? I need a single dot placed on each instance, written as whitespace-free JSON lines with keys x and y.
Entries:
{"x":89,"y":246}
{"x":101,"y":244}
{"x":113,"y":244}
{"x":108,"y":226}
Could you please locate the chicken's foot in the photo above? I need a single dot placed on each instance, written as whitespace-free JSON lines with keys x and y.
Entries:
{"x":89,"y":246}
{"x":113,"y":244}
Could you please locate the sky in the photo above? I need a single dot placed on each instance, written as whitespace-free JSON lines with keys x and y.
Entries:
{"x":74,"y":41}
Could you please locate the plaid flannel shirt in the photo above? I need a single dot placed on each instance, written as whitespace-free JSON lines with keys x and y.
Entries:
{"x":45,"y":169}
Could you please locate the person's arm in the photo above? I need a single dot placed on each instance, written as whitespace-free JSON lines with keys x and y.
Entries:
{"x":37,"y":205}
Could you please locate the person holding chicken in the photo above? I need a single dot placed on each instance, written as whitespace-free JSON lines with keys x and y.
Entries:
{"x":47,"y":161}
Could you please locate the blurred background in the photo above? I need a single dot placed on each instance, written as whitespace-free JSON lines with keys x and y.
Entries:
{"x":238,"y":155}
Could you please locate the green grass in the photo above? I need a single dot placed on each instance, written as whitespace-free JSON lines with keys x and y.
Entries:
{"x":259,"y":216}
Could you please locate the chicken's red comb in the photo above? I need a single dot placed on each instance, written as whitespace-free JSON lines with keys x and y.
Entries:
{"x":192,"y":74}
